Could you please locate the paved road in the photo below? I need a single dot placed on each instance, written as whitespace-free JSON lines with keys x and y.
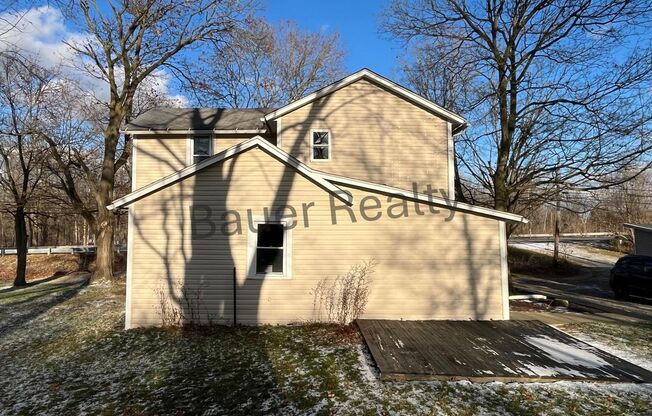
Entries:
{"x":590,"y":289}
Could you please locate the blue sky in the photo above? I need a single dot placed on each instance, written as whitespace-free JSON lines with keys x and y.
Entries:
{"x":357,"y":21}
{"x":43,"y":30}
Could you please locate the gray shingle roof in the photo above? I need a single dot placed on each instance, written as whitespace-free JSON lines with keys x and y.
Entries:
{"x":199,"y":119}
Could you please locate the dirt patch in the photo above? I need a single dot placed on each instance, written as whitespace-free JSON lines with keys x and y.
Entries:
{"x":538,"y":264}
{"x":41,"y":265}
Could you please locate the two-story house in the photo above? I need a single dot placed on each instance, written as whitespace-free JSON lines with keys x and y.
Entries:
{"x":247,"y":212}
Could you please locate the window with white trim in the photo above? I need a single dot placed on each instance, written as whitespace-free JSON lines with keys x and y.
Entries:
{"x":320,"y":145}
{"x":201,"y":148}
{"x":270,"y":249}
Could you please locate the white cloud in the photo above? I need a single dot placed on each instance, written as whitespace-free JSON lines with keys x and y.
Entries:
{"x":42,"y":33}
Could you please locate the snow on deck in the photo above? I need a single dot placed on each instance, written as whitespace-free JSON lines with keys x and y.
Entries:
{"x":489,"y":351}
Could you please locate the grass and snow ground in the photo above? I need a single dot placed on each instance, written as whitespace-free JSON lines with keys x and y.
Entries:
{"x":63,"y":351}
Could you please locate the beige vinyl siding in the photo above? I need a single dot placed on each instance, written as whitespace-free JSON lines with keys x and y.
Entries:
{"x":376,"y":136}
{"x":156,"y":157}
{"x":161,"y":155}
{"x":428,"y":268}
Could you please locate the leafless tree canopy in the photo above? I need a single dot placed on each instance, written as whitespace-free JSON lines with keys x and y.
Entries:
{"x":25,"y":91}
{"x":125,"y":43}
{"x":556,"y":91}
{"x":268,"y":66}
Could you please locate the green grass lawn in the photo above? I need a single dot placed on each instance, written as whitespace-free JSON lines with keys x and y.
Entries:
{"x":63,"y":351}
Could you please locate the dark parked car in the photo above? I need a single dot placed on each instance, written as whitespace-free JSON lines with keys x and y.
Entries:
{"x":632,"y":275}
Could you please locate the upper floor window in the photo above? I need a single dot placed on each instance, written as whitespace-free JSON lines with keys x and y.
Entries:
{"x":200,"y":148}
{"x":320,"y":145}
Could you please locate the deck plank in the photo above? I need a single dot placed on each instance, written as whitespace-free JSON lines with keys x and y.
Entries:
{"x":487,"y":351}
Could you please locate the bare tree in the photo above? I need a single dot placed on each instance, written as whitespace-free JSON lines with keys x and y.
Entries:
{"x":268,"y":66}
{"x":126,"y":43}
{"x":24,"y":89}
{"x":7,"y":25}
{"x":546,"y":80}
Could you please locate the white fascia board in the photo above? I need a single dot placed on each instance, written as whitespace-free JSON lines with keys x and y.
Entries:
{"x":191,"y":131}
{"x":450,"y":203}
{"x":226,"y":154}
{"x":366,"y":73}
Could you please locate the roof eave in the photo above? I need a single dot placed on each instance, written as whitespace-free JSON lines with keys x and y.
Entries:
{"x":191,"y":131}
{"x":639,"y":227}
{"x":456,"y":119}
{"x":441,"y":202}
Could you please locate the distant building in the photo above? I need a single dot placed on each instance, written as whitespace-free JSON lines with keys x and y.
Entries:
{"x":642,"y":238}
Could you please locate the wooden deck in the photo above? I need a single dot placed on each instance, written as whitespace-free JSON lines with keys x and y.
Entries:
{"x":484,"y":351}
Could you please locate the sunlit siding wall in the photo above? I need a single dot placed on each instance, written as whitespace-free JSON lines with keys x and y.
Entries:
{"x":428,"y":267}
{"x":157,"y":156}
{"x":376,"y":136}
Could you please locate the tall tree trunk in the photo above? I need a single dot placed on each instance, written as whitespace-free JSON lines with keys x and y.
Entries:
{"x":557,"y":231}
{"x":104,"y":229}
{"x":459,"y":191}
{"x":20,"y":226}
{"x":104,"y":246}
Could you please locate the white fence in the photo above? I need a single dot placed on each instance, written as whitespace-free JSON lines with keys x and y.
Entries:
{"x":60,"y":249}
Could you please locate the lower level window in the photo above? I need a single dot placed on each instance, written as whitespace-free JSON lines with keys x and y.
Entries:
{"x":269,"y":249}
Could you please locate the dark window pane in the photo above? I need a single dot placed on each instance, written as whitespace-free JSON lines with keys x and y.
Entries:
{"x":270,"y":235}
{"x":320,"y":137}
{"x":269,"y":260}
{"x":320,"y":152}
{"x":202,"y":146}
{"x":197,"y":159}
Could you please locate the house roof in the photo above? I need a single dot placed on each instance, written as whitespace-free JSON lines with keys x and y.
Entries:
{"x":328,"y":182}
{"x":641,"y":227}
{"x":184,"y":120}
{"x":441,"y":202}
{"x":459,"y":123}
{"x":227,"y":154}
{"x":253,"y":120}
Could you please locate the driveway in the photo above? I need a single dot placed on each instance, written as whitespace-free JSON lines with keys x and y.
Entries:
{"x":589,"y":290}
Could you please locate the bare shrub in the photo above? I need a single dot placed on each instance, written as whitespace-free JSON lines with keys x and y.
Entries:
{"x":184,"y":310}
{"x":344,"y":298}
{"x":169,"y":313}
